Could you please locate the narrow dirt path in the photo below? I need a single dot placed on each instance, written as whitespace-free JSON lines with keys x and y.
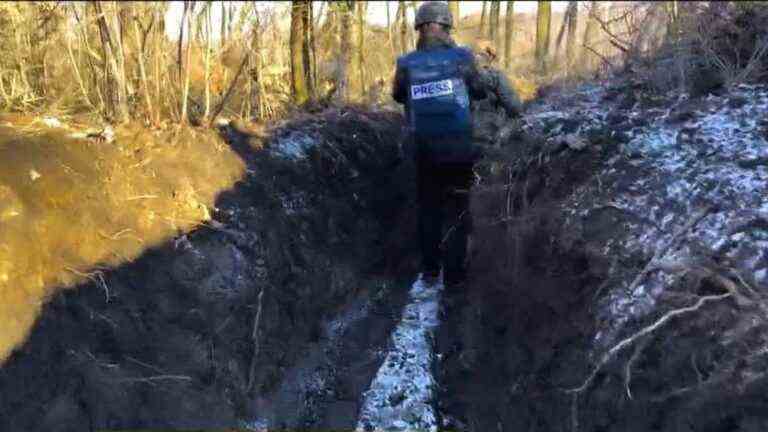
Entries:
{"x":324,"y":390}
{"x":402,"y":396}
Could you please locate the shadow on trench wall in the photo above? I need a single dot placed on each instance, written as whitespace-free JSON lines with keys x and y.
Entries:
{"x":172,"y":345}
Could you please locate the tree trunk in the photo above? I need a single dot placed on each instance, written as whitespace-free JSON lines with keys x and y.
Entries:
{"x":403,"y":27}
{"x":306,"y":49}
{"x":497,"y":42}
{"x":483,"y":18}
{"x":343,"y":13}
{"x":117,"y":104}
{"x":313,"y":45}
{"x":493,"y":21}
{"x":299,"y":88}
{"x":142,"y":69}
{"x":157,"y":38}
{"x":672,"y":19}
{"x":257,"y":86}
{"x":543,"y":20}
{"x":208,"y":48}
{"x":389,"y":28}
{"x":453,"y":6}
{"x":509,"y":31}
{"x":185,"y":94}
{"x":181,"y":39}
{"x":359,"y":56}
{"x":412,"y":36}
{"x":570,"y":46}
{"x":223,"y":36}
{"x":590,"y":35}
{"x":230,"y":20}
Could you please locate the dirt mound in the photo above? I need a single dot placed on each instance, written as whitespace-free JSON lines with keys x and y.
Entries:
{"x":199,"y":331}
{"x":72,"y":206}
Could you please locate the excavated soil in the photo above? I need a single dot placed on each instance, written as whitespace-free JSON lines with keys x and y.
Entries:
{"x":210,"y":329}
{"x":622,"y":241}
{"x":518,"y":331}
{"x":72,"y":205}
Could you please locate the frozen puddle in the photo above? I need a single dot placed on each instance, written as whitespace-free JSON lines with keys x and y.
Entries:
{"x":401,"y":396}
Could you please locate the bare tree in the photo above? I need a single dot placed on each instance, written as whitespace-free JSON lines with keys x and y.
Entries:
{"x":313,"y":44}
{"x":115,"y":89}
{"x":483,"y":18}
{"x":187,"y":23}
{"x":403,"y":17}
{"x":389,"y":28}
{"x":673,"y":17}
{"x":568,"y":26}
{"x":543,"y":20}
{"x":306,"y":47}
{"x":224,"y":26}
{"x":570,"y":47}
{"x":257,"y":83}
{"x":590,"y":34}
{"x":493,"y":25}
{"x":453,"y":6}
{"x":299,"y":84}
{"x":342,"y":10}
{"x":140,"y":36}
{"x":208,"y":54}
{"x":509,"y":31}
{"x":359,"y":57}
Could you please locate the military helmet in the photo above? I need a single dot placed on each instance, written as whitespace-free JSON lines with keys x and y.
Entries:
{"x":433,"y":12}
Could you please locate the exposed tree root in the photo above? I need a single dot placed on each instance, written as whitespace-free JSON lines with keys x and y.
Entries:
{"x":652,"y":264}
{"x":632,"y":360}
{"x":629,"y":341}
{"x":96,"y":277}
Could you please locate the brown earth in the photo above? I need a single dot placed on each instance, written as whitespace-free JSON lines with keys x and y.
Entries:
{"x":73,"y":207}
{"x":288,"y":247}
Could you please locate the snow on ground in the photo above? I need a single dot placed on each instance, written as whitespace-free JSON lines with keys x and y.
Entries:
{"x":401,"y":396}
{"x":294,"y":144}
{"x":674,"y":161}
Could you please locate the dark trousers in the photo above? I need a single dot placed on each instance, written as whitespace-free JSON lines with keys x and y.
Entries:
{"x":444,"y":217}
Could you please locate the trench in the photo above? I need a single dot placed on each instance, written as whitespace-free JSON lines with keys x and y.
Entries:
{"x":276,"y":313}
{"x":301,"y":308}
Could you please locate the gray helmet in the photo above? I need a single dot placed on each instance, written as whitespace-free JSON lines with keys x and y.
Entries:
{"x":433,"y":11}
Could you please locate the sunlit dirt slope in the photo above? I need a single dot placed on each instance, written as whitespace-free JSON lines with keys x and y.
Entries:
{"x":72,"y":204}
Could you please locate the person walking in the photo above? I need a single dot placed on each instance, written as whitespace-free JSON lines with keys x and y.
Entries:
{"x":437,"y":83}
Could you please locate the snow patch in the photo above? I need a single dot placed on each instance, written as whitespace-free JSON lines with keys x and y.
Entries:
{"x":293,"y":145}
{"x":695,"y":152}
{"x":402,"y":394}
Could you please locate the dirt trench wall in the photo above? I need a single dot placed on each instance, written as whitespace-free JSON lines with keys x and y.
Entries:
{"x":194,"y":332}
{"x":621,"y":281}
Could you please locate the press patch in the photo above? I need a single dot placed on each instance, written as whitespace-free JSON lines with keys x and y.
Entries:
{"x":431,"y":89}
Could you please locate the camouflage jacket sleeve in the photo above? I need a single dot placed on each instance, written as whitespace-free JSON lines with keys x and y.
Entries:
{"x":498,"y":85}
{"x":472,"y":77}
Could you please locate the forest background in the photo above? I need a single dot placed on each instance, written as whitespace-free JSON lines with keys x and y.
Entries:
{"x":117,"y":61}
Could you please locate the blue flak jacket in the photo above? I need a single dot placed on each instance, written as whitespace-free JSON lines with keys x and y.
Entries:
{"x":437,"y":105}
